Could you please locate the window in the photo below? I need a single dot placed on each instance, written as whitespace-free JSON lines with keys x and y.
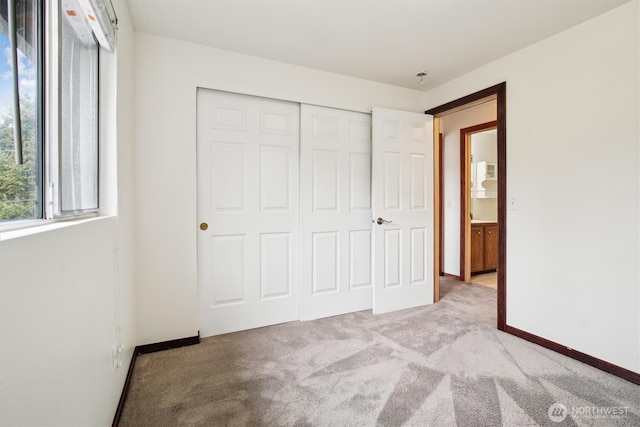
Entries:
{"x":20,"y":106}
{"x":79,"y":110}
{"x":49,"y":136}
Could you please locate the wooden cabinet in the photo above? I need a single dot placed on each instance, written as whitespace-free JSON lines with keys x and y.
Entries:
{"x":477,"y":247}
{"x":491,"y":246}
{"x":484,"y":247}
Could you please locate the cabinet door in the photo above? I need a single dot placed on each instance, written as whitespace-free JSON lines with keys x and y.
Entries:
{"x":491,"y":247}
{"x":477,"y":247}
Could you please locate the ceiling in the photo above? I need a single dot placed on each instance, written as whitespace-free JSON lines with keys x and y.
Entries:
{"x":387,"y":41}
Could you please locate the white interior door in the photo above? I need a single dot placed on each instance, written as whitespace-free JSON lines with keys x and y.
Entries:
{"x":402,"y":197}
{"x":335,"y":206}
{"x":248,"y":180}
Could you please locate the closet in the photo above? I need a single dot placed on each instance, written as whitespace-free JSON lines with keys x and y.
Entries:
{"x":285,"y":201}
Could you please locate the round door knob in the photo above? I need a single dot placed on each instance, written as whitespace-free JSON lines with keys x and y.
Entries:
{"x":204,"y":226}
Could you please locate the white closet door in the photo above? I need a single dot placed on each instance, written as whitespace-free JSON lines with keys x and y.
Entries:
{"x":335,"y":204}
{"x":403,"y":196}
{"x":248,"y":177}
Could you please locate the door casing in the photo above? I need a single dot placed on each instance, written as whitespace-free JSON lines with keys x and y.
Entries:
{"x":498,"y":91}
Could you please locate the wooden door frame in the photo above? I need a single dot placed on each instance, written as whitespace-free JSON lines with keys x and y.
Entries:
{"x":440,"y":153}
{"x":498,"y":91}
{"x":465,"y":199}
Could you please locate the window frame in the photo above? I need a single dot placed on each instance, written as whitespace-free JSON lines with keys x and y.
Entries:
{"x":49,"y":124}
{"x":53,"y":140}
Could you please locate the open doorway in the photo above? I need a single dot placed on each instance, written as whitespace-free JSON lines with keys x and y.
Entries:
{"x":497,"y":93}
{"x":479,"y":203}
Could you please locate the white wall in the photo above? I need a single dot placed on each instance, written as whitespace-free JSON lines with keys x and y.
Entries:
{"x":572,"y":163}
{"x":62,"y":294}
{"x":485,"y":209}
{"x":450,"y":126}
{"x":125,"y":236}
{"x":168,"y":73}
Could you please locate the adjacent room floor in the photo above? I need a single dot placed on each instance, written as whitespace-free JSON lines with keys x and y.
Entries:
{"x":486,"y":279}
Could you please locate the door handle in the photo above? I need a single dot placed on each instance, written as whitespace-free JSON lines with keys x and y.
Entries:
{"x":381,"y":221}
{"x":204,"y":226}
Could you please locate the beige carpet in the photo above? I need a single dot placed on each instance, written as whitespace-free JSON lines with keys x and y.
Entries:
{"x":440,"y":365}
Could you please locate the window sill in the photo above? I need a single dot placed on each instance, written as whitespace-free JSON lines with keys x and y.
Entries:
{"x":30,"y":228}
